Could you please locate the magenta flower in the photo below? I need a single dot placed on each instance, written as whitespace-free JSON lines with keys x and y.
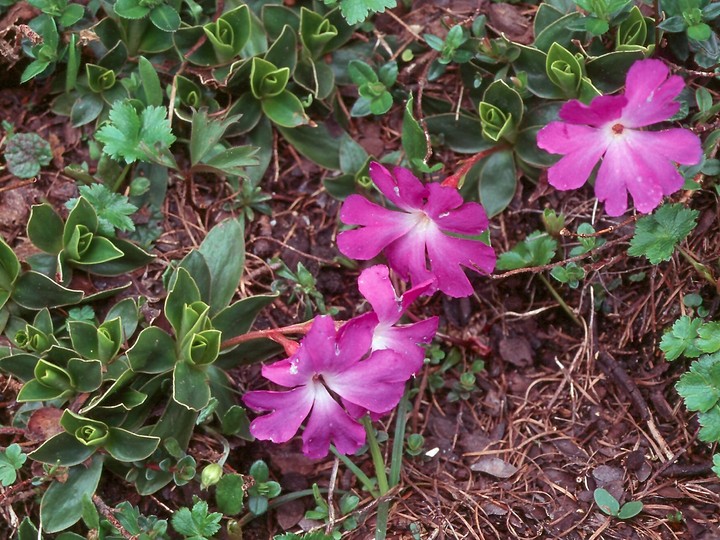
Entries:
{"x":635,"y":161}
{"x":374,"y":284}
{"x":414,"y":237}
{"x":328,"y":362}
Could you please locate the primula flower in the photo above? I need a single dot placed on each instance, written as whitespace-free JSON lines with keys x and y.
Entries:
{"x":637,"y":161}
{"x":374,"y":284}
{"x":328,"y":362}
{"x":414,"y":237}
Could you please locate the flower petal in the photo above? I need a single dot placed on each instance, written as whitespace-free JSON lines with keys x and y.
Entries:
{"x":357,"y":210}
{"x":375,"y":285}
{"x":289,"y":409}
{"x":623,"y":170}
{"x":447,"y":254}
{"x":445,"y":207}
{"x":678,"y":145}
{"x":403,"y":189}
{"x":601,"y":111}
{"x":650,"y":94}
{"x":406,"y":340}
{"x":407,"y":257}
{"x":353,"y":341}
{"x":376,"y":384}
{"x":329,"y":422}
{"x":564,"y":138}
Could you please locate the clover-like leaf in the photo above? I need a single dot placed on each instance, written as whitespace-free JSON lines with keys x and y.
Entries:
{"x":681,"y":339}
{"x":11,"y":461}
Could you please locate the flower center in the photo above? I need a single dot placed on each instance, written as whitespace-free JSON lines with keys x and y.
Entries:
{"x":618,"y":129}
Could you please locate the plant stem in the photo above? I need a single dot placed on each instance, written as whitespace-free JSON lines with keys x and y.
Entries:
{"x":364,"y":480}
{"x":279,"y":501}
{"x":567,"y":309}
{"x":454,"y":179}
{"x":119,"y":180}
{"x":702,"y":270}
{"x":379,"y":463}
{"x":399,"y":438}
{"x":272,"y":333}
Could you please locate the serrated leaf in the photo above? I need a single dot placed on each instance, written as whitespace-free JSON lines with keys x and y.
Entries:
{"x":536,"y":250}
{"x":356,"y":11}
{"x":129,"y":135}
{"x":709,"y":337}
{"x":656,"y":236}
{"x":700,"y":386}
{"x":710,"y":422}
{"x":196,"y":523}
{"x":681,"y":339}
{"x":112,"y":209}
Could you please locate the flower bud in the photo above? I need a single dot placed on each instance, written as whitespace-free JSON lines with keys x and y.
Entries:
{"x":211,"y":475}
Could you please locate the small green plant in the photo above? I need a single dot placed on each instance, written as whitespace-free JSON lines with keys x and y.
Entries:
{"x":450,"y":48}
{"x":570,"y":274}
{"x":657,"y":236}
{"x":356,"y":11}
{"x":302,"y":287}
{"x":262,"y":489}
{"x":373,"y":87}
{"x":113,"y":209}
{"x":464,"y":387}
{"x":11,"y":461}
{"x":600,"y":14}
{"x":537,"y":249}
{"x":610,"y":505}
{"x":198,"y":523}
{"x":26,"y":153}
{"x":347,"y":504}
{"x":415,"y":444}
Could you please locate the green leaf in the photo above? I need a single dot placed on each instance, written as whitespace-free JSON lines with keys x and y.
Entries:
{"x":45,"y":228}
{"x":150,"y":86}
{"x":716,"y":464}
{"x":710,"y":422}
{"x":183,"y":292}
{"x":709,"y":337}
{"x":25,"y":153}
{"x":656,"y":236}
{"x":127,"y":132}
{"x":284,"y":109}
{"x":536,"y":250}
{"x":224,"y":253}
{"x":699,"y":32}
{"x":496,"y":180}
{"x":61,"y":506}
{"x":681,"y":339}
{"x":700,"y":386}
{"x":196,"y":523}
{"x":413,"y":137}
{"x":229,"y":494}
{"x":112,"y":209}
{"x":630,"y":509}
{"x":36,"y":291}
{"x":165,"y":18}
{"x":317,"y":143}
{"x":11,"y":461}
{"x":356,"y":11}
{"x":606,"y":502}
{"x":190,"y":386}
{"x":361,"y":73}
{"x":126,"y":446}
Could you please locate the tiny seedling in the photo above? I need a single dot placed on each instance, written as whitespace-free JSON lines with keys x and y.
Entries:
{"x":610,"y":505}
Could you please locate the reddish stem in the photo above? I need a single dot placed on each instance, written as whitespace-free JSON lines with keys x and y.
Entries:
{"x":454,"y":179}
{"x":276,"y":334}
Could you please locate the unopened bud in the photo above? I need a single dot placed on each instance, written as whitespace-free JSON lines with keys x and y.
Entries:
{"x":211,"y":475}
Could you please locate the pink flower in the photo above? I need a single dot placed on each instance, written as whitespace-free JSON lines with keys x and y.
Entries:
{"x":374,"y":284}
{"x":328,"y":362}
{"x":414,"y":237}
{"x":641,"y":162}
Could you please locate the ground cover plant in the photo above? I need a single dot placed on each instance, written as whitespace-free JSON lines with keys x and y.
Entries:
{"x":359,"y":269}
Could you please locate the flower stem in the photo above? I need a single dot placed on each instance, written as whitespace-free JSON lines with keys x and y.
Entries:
{"x":399,"y":439}
{"x":699,"y":267}
{"x":379,"y":463}
{"x":454,"y":179}
{"x":272,"y":333}
{"x":567,"y":309}
{"x":364,"y":480}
